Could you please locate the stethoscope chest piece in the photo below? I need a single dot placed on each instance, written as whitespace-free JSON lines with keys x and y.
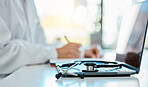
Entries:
{"x":89,"y":67}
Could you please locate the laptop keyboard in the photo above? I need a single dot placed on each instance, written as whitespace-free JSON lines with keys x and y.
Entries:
{"x":123,"y":69}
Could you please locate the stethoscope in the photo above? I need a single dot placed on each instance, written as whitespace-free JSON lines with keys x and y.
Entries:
{"x":90,"y":67}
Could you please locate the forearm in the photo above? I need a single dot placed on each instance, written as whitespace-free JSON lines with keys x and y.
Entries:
{"x":17,"y":53}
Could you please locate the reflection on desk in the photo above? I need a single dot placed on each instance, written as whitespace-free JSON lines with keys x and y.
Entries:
{"x":99,"y":82}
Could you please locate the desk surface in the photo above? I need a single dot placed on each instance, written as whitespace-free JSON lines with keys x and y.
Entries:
{"x":44,"y":76}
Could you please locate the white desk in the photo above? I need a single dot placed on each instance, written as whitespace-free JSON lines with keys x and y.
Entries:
{"x":44,"y":76}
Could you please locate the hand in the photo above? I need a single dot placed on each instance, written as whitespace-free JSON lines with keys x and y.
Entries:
{"x":71,"y":50}
{"x":93,"y":53}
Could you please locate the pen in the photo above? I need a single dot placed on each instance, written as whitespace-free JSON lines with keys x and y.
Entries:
{"x":66,"y":39}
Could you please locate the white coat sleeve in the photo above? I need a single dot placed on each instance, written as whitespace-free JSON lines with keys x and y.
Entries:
{"x":15,"y":53}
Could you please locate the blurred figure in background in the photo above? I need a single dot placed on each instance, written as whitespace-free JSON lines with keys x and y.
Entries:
{"x":22,"y":40}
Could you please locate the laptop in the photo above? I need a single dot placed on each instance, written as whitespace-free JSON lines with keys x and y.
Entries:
{"x":129,"y":49}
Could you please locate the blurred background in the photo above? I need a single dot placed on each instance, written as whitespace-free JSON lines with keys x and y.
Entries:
{"x":83,"y":21}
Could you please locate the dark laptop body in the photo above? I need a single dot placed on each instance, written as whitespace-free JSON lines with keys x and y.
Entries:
{"x":129,"y":50}
{"x":130,"y":44}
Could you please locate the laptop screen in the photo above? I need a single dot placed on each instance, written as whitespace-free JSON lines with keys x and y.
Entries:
{"x":132,"y":35}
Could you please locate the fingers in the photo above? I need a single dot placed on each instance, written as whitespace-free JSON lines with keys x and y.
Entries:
{"x":89,"y":54}
{"x":96,"y":52}
{"x":71,"y":50}
{"x":92,"y":53}
{"x":74,"y":45}
{"x":74,"y":54}
{"x":74,"y":50}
